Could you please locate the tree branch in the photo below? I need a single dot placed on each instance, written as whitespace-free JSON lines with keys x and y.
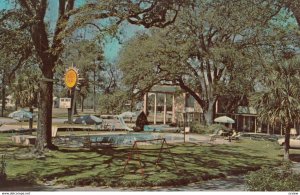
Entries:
{"x":191,"y":92}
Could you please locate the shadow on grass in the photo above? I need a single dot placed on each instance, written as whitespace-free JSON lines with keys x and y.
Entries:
{"x":104,"y":166}
{"x":22,"y":185}
{"x":10,"y":184}
{"x":294,"y":157}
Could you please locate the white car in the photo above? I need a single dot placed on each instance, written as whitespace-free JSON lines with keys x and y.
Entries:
{"x":20,"y":119}
{"x":294,"y":142}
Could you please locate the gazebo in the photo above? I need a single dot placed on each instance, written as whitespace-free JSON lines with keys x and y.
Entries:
{"x":161,"y":89}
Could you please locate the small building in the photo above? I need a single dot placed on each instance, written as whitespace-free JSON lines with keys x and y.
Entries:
{"x":61,"y":102}
{"x":182,"y":105}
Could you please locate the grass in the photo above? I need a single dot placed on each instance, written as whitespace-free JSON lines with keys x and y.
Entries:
{"x":104,"y":166}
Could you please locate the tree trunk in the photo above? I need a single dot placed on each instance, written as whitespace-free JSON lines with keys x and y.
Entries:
{"x":208,"y":113}
{"x":3,"y":94}
{"x":70,"y":110}
{"x":286,"y":155}
{"x":31,"y":120}
{"x":82,"y":103}
{"x":44,"y":131}
{"x":75,"y":112}
{"x":17,"y":102}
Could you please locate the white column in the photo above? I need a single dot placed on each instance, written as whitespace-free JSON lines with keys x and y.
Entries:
{"x":249,"y":123}
{"x":145,"y":109}
{"x":155,"y":109}
{"x":173,"y":108}
{"x":255,"y":125}
{"x":244,"y":123}
{"x":184,"y":109}
{"x":165,"y":109}
{"x":237,"y":122}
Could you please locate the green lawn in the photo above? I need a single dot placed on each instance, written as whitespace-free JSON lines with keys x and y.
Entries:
{"x":104,"y":166}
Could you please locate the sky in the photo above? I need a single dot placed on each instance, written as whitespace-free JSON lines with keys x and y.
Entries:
{"x":112,"y":46}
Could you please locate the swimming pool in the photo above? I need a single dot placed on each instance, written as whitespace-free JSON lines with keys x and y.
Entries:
{"x":115,"y":139}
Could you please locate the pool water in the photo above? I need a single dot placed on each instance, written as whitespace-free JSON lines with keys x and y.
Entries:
{"x":114,"y":139}
{"x":121,"y":139}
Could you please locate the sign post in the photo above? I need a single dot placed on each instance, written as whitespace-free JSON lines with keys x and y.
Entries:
{"x":71,"y":80}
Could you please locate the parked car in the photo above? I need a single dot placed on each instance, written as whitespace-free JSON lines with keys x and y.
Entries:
{"x":294,"y":142}
{"x":25,"y":119}
{"x":22,"y":115}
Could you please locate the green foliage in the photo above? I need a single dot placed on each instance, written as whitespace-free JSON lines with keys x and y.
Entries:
{"x":87,"y":56}
{"x":209,"y":51}
{"x":2,"y":169}
{"x":49,"y":43}
{"x":269,"y":179}
{"x":294,"y":6}
{"x":113,"y":103}
{"x":196,"y":127}
{"x":278,"y":100}
{"x":25,"y":86}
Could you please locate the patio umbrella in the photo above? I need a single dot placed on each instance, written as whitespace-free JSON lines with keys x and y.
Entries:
{"x":21,"y":115}
{"x":127,"y":115}
{"x":89,"y":120}
{"x":224,"y":119}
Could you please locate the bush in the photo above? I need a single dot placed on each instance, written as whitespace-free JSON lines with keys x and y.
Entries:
{"x":112,"y":103}
{"x":196,"y":127}
{"x":2,"y":169}
{"x":141,"y":121}
{"x":270,"y":179}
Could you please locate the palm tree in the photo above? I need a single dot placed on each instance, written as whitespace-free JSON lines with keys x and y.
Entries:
{"x":279,"y":100}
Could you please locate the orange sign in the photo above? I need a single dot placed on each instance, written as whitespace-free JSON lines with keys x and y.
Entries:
{"x":71,"y":78}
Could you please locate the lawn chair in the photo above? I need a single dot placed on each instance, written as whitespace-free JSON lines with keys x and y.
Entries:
{"x":186,"y":130}
{"x":216,"y":134}
{"x":235,"y":136}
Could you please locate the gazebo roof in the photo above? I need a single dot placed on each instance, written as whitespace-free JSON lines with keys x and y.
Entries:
{"x":164,"y":89}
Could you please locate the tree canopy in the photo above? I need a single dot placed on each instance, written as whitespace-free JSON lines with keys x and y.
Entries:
{"x":213,"y":48}
{"x":210,"y":51}
{"x":48,"y":46}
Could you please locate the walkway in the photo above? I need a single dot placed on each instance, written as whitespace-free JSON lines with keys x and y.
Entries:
{"x":235,"y":183}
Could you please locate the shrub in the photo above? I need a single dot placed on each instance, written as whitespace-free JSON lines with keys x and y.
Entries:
{"x":2,"y":169}
{"x":112,"y":103}
{"x":141,"y":121}
{"x":196,"y":127}
{"x":270,"y":179}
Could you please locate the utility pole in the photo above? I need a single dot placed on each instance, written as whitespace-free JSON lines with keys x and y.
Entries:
{"x":94,"y":92}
